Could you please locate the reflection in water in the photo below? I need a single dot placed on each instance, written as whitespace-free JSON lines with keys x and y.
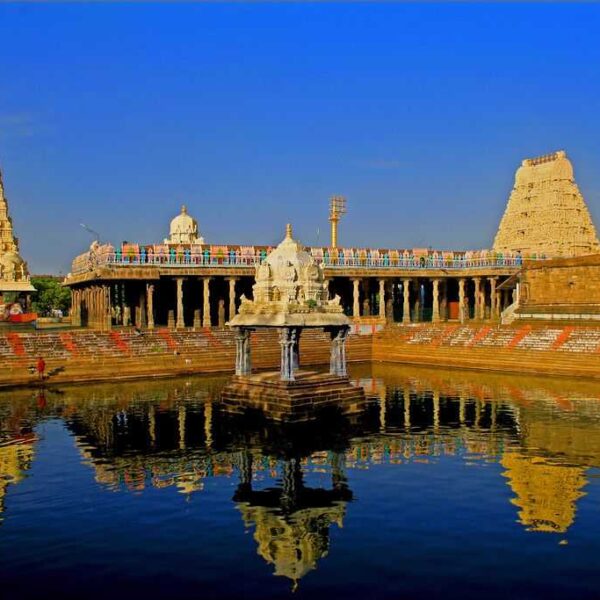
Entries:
{"x":291,"y":523}
{"x":176,"y":435}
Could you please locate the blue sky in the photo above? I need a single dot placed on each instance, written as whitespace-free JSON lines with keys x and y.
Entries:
{"x":253,"y":115}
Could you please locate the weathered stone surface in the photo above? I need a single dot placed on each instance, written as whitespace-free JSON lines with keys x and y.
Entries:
{"x":567,"y":288}
{"x":299,"y":400}
{"x":546,"y":213}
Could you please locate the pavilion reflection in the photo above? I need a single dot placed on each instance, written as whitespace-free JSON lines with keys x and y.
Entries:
{"x":292,"y":522}
{"x":175,"y":435}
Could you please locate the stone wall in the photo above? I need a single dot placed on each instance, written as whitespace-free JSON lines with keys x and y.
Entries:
{"x":566,"y":288}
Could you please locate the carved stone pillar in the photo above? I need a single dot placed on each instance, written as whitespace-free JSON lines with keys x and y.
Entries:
{"x":389,"y":304}
{"x":140,"y":317}
{"x":435,"y":315}
{"x":382,"y":298}
{"x":232,"y":281}
{"x":150,"y":304}
{"x":356,"y":298}
{"x":197,"y":319}
{"x":444,"y":300}
{"x":406,"y":305}
{"x":418,"y":313}
{"x":367,"y":298}
{"x":221,"y":313}
{"x":326,"y":289}
{"x":243,"y":358}
{"x":337,"y":362}
{"x":462,"y":308}
{"x":482,"y":299}
{"x":206,"y":320}
{"x":477,"y":295}
{"x":106,"y":316}
{"x":287,"y":341}
{"x":180,"y":324}
{"x":494,"y":312}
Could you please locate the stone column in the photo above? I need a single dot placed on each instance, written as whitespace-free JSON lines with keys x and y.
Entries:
{"x":232,"y":281}
{"x":389,"y":304}
{"x":243,"y":357}
{"x":75,"y":307}
{"x":150,"y":304}
{"x":367,"y":298}
{"x":206,"y":321}
{"x":406,"y":306}
{"x":337,"y":363}
{"x":141,"y":321}
{"x":221,"y":313}
{"x":382,"y":298}
{"x":435,"y":315}
{"x":418,"y":314}
{"x":462,"y":309}
{"x":356,"y":298}
{"x":326,"y":289}
{"x":482,"y":299}
{"x":477,"y":295}
{"x":180,"y":323}
{"x":494,"y":312}
{"x":287,"y":340}
{"x":107,"y":317}
{"x":444,"y":300}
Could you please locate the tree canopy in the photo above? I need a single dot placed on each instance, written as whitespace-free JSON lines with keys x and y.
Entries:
{"x":51,"y":295}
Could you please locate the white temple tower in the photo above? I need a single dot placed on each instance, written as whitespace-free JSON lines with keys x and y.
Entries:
{"x":546,"y":213}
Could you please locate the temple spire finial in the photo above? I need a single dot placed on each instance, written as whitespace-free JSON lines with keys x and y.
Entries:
{"x":183,"y":209}
{"x":288,"y":231}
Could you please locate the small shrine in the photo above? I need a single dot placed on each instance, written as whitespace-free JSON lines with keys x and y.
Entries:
{"x":290,"y":295}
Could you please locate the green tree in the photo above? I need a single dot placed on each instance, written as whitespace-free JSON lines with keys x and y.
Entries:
{"x":51,"y":295}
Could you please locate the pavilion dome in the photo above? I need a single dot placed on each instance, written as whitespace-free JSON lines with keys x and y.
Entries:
{"x":289,"y":252}
{"x":184,"y":229}
{"x":290,"y":290}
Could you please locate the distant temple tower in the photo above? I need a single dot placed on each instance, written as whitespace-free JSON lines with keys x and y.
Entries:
{"x":546,"y":213}
{"x":14,"y":276}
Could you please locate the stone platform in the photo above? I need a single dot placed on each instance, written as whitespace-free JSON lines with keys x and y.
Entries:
{"x":293,"y":401}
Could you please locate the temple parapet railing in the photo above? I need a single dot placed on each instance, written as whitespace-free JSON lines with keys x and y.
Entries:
{"x":332,"y":258}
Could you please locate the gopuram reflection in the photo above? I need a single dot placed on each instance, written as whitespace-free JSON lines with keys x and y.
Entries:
{"x":294,"y":480}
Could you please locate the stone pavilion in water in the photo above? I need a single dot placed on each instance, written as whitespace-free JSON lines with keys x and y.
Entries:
{"x":290,"y":295}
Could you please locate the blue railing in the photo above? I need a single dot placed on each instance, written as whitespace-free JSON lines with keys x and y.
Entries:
{"x":382,"y":262}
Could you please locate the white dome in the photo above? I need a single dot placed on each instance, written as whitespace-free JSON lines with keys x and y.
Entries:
{"x":184,"y":229}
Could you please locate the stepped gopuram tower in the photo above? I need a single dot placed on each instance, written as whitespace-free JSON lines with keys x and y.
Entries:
{"x":14,"y":276}
{"x":546,"y":213}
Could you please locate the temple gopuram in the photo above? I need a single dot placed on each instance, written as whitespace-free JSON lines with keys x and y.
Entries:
{"x":186,"y":282}
{"x":15,"y":285}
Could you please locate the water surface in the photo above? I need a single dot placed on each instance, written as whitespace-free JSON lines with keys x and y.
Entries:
{"x":450,"y":485}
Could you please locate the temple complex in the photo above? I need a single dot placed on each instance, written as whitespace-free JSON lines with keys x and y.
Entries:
{"x":186,"y":282}
{"x":14,"y":276}
{"x":546,"y":213}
